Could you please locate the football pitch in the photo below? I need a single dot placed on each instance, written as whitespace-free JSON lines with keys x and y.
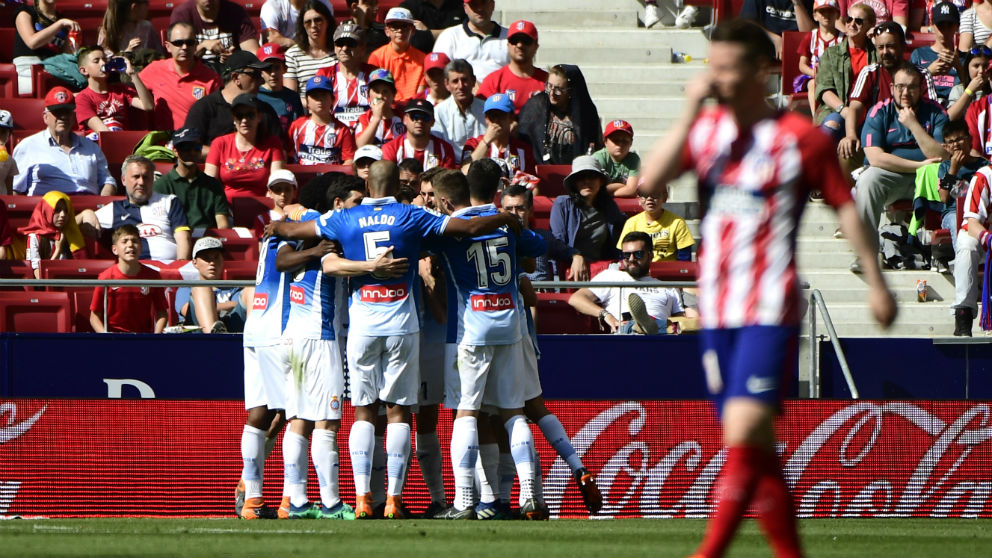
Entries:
{"x":629,"y":537}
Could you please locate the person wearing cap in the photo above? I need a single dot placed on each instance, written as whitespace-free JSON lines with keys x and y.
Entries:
{"x":824,"y":36}
{"x":214,"y":309}
{"x":379,"y":124}
{"x":178,"y":81}
{"x":404,"y":62}
{"x":497,"y":142}
{"x":201,"y":195}
{"x":321,"y":139}
{"x":58,"y":159}
{"x":314,"y":48}
{"x":211,"y":116}
{"x":101,"y":106}
{"x":434,"y":65}
{"x":462,"y":115}
{"x":278,"y":19}
{"x":478,"y":39}
{"x":520,"y":79}
{"x":587,"y":218}
{"x":282,"y":189}
{"x":273,"y":92}
{"x":349,"y":76}
{"x":430,"y":18}
{"x":418,"y":142}
{"x":165,"y":233}
{"x":779,"y":16}
{"x":941,"y":59}
{"x":618,"y":161}
{"x":221,"y":26}
{"x":364,"y":157}
{"x":8,"y":166}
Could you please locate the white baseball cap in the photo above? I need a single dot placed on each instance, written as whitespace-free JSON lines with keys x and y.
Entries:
{"x":401,"y":15}
{"x":207,"y":243}
{"x":6,"y":119}
{"x":368,"y":151}
{"x":282,"y":175}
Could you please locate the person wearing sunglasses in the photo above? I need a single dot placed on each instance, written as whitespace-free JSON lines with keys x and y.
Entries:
{"x":520,"y":79}
{"x":418,"y":142}
{"x":941,"y":59}
{"x":838,"y":68}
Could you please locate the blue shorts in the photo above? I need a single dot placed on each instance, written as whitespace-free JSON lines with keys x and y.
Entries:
{"x":757,"y":362}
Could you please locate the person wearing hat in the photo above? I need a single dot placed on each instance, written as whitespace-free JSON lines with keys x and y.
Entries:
{"x":826,"y":35}
{"x":418,"y":142}
{"x":279,"y":20}
{"x":404,"y":62}
{"x":321,"y":139}
{"x":379,"y":124}
{"x":618,"y":161}
{"x":478,"y":39}
{"x":273,"y":91}
{"x":211,"y":115}
{"x":941,"y":58}
{"x":349,"y":76}
{"x":220,"y":25}
{"x":461,"y":116}
{"x":431,"y":17}
{"x":8,"y":166}
{"x":214,"y":309}
{"x":201,"y":195}
{"x":434,"y":66}
{"x":282,"y":189}
{"x":364,"y":157}
{"x":58,"y":159}
{"x":497,"y":142}
{"x":243,"y":159}
{"x":586,"y":218}
{"x":520,"y":79}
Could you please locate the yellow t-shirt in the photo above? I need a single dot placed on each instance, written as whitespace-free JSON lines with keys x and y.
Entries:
{"x":668,"y":227}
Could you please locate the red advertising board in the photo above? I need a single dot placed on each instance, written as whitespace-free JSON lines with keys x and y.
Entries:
{"x":651,"y":458}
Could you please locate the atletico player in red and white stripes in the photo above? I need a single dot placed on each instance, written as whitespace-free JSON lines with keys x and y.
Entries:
{"x":321,"y":139}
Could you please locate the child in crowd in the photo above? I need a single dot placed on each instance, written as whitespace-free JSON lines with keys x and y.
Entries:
{"x":434,"y":66}
{"x":976,"y":62}
{"x":954,"y":174}
{"x":137,"y":309}
{"x":404,"y":61}
{"x":52,"y":232}
{"x":380,"y":124}
{"x":619,"y":162}
{"x":125,"y":27}
{"x":101,"y":106}
{"x":826,"y":13}
{"x":8,"y":167}
{"x":321,"y":139}
{"x":283,"y":100}
{"x":214,"y":309}
{"x":364,"y":157}
{"x":282,"y":191}
{"x":669,"y":233}
{"x":941,"y":58}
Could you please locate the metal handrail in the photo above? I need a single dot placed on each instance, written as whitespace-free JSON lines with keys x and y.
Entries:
{"x":816,"y":300}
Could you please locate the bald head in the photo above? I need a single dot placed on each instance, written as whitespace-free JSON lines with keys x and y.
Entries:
{"x":384,"y":179}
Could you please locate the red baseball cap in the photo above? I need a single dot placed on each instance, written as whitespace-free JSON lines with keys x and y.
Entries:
{"x":60,"y":98}
{"x":270,"y":50}
{"x":618,"y":126}
{"x":522,"y":26}
{"x":435,"y":61}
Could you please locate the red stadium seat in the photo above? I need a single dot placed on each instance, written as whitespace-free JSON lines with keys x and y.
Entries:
{"x":7,"y":43}
{"x":542,"y":212}
{"x":247,"y":209}
{"x":552,"y":178}
{"x":42,"y":81}
{"x":116,"y":146}
{"x":555,"y":316}
{"x":19,"y":209}
{"x":35,"y":312}
{"x":73,"y":269}
{"x":629,"y":206}
{"x":306,"y":173}
{"x":239,"y":243}
{"x":240,"y":270}
{"x":27,"y":112}
{"x":8,"y":81}
{"x":81,"y":299}
{"x":790,"y":68}
{"x":15,"y":269}
{"x":674,"y":271}
{"x":80,"y":203}
{"x":18,"y":135}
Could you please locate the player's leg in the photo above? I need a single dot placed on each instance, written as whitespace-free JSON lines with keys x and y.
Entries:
{"x":261,"y":395}
{"x":378,"y":478}
{"x":327,"y":406}
{"x":506,"y":391}
{"x":401,"y":383}
{"x":506,"y":470}
{"x":366,"y":380}
{"x":487,"y":466}
{"x":294,"y":454}
{"x":429,"y":458}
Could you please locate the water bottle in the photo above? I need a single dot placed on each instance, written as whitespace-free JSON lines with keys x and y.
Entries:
{"x":115,"y":64}
{"x":680,"y":57}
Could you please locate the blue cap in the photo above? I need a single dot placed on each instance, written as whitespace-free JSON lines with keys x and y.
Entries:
{"x":500,"y":102}
{"x":186,"y":135}
{"x":319,"y":83}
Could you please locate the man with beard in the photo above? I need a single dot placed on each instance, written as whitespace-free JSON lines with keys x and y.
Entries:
{"x":418,"y":142}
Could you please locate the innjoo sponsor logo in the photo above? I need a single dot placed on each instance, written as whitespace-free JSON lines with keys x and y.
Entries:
{"x":383,"y":293}
{"x":260,"y":301}
{"x":491,"y":302}
{"x":297,"y":295}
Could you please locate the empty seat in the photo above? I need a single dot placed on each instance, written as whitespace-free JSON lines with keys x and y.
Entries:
{"x":552,"y":179}
{"x":8,"y":81}
{"x":27,"y":112}
{"x":35,"y":312}
{"x":239,"y":243}
{"x":81,"y":299}
{"x":116,"y":146}
{"x":15,"y":269}
{"x":7,"y":43}
{"x":246,"y":209}
{"x":555,"y":316}
{"x":19,"y":209}
{"x":73,"y":269}
{"x":674,"y":271}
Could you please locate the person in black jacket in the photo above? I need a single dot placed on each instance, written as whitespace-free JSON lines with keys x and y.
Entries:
{"x":562,"y":123}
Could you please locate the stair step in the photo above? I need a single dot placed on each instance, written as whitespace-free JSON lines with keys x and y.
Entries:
{"x":656,"y":55}
{"x":585,"y":18}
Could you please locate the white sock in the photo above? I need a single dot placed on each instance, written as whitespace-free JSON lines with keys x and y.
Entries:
{"x":507,"y":474}
{"x":464,"y":455}
{"x":555,"y":434}
{"x":324,"y":450}
{"x":521,"y":447}
{"x":429,"y":458}
{"x":487,"y":469}
{"x":378,"y":472}
{"x":360,"y":442}
{"x":294,"y":447}
{"x":397,"y":455}
{"x":253,"y":460}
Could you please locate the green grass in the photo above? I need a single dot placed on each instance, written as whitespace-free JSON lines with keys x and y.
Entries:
{"x":633,"y":537}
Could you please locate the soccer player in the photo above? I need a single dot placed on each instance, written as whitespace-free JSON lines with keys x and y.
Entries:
{"x":383,"y":337}
{"x":321,"y":139}
{"x":756,"y":166}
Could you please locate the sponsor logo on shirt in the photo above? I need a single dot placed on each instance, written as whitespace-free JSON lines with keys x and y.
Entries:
{"x":491,"y":302}
{"x":383,"y":293}
{"x":260,"y":302}
{"x":149,"y":230}
{"x":297,"y":295}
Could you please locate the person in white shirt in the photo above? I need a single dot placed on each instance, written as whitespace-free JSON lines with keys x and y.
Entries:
{"x":479,"y":39}
{"x":278,"y":19}
{"x":462,"y":115}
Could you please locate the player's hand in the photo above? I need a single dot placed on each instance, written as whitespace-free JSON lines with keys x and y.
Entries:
{"x":848,"y":147}
{"x":579,"y":271}
{"x":612,"y":322}
{"x":512,"y":222}
{"x":323,"y":248}
{"x":883,"y":306}
{"x":271,"y":229}
{"x":386,"y":266}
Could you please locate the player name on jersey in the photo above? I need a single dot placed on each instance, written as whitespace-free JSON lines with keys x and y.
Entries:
{"x":380,"y":219}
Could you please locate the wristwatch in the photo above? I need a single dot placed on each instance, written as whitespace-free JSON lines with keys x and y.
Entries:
{"x":603,"y":314}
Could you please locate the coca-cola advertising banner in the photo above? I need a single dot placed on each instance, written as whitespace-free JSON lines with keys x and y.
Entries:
{"x":650,"y":458}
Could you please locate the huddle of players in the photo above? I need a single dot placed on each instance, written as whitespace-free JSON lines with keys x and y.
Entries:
{"x":485,"y":367}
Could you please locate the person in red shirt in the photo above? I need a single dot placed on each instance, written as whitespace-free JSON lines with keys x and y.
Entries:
{"x":321,"y":139}
{"x":520,"y":79}
{"x":102,"y":107}
{"x":434,"y":66}
{"x":514,"y":155}
{"x":379,"y":124}
{"x":418,"y":142}
{"x":239,"y":160}
{"x":138,"y":309}
{"x":404,"y":61}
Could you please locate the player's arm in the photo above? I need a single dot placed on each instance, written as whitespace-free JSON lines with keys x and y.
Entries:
{"x":527,"y":292}
{"x":296,"y":231}
{"x":383,"y":266}
{"x":482,"y":225}
{"x":287,"y":258}
{"x":435,"y":291}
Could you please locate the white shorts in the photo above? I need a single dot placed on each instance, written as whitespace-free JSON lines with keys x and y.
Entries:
{"x":265,"y":377}
{"x":315,"y":383}
{"x":529,"y":376}
{"x":490,"y":375}
{"x":431,"y":372}
{"x":384,"y":368}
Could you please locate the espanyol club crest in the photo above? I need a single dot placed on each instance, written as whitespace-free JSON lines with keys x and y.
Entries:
{"x":335,"y":404}
{"x":199,"y":92}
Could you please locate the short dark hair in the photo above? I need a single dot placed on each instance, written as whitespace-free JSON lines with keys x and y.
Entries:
{"x":85,"y":51}
{"x":518,"y":191}
{"x":909,"y":68}
{"x":484,"y":179}
{"x":314,"y":194}
{"x":757,"y":45}
{"x":638,"y":236}
{"x":891,"y":28}
{"x":452,"y":185}
{"x":342,"y":187}
{"x":430,"y":174}
{"x":956,"y":127}
{"x":411,"y":165}
{"x":124,"y":230}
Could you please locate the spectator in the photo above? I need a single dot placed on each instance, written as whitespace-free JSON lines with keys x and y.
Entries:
{"x":8,"y":166}
{"x":364,"y":157}
{"x":214,"y":309}
{"x":178,"y":82}
{"x":410,"y":171}
{"x":900,"y":135}
{"x":201,"y":195}
{"x":165,"y":233}
{"x":221,"y":27}
{"x":418,"y":142}
{"x":519,"y":201}
{"x":430,"y":18}
{"x":364,"y":14}
{"x":379,"y":124}
{"x":635,"y":310}
{"x":839,"y":66}
{"x":496,"y":143}
{"x":561,"y":123}
{"x":279,"y":20}
{"x":520,"y":79}
{"x":976,"y":26}
{"x":587,"y":219}
{"x":41,"y":33}
{"x":243,"y":159}
{"x":53,"y":232}
{"x":349,"y":75}
{"x":211,"y":116}
{"x":778,"y":16}
{"x":103,"y":107}
{"x":896,"y":11}
{"x":136,"y":309}
{"x":434,"y":65}
{"x":6,"y":238}
{"x":670,"y":236}
{"x":321,"y":139}
{"x":618,"y":161}
{"x":282,"y":189}
{"x":976,"y":61}
{"x":479,"y":39}
{"x":427,"y":198}
{"x":57,"y":159}
{"x":314,"y":48}
{"x":285,"y":102}
{"x":826,"y":35}
{"x":941,"y":59}
{"x":125,"y":28}
{"x":974,"y":239}
{"x":403,"y":61}
{"x":462,"y":115}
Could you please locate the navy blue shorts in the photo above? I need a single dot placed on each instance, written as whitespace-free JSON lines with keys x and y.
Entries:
{"x":757,"y":362}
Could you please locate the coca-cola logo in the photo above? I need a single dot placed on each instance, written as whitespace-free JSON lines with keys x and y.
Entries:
{"x":13,"y":429}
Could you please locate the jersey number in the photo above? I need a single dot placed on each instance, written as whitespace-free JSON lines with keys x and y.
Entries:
{"x":486,"y":255}
{"x":372,"y":239}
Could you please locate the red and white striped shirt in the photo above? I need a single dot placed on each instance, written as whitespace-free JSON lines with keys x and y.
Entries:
{"x":351,"y":97}
{"x":754,"y":189}
{"x":439,"y":153}
{"x":815,"y":46}
{"x":874,"y":85}
{"x":976,"y":201}
{"x":518,"y":156}
{"x":979,"y":119}
{"x":320,"y":144}
{"x":386,"y":132}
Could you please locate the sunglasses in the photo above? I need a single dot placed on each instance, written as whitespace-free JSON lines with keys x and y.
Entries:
{"x":183,"y":43}
{"x":636,"y":254}
{"x":981,"y":51}
{"x":860,"y":21}
{"x":556,"y":90}
{"x":245,"y":115}
{"x":419,"y":116}
{"x":520,"y":40}
{"x":346,"y":43}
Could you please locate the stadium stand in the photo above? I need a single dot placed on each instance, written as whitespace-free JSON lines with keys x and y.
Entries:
{"x":35,"y":312}
{"x":27,"y":112}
